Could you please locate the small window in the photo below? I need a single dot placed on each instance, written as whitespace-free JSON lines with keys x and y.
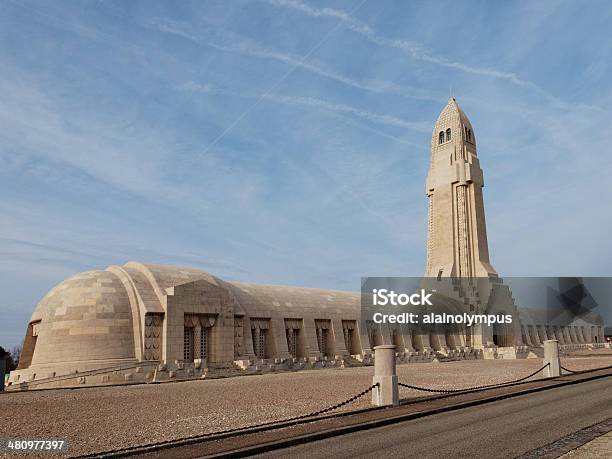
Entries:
{"x":322,"y":341}
{"x":470,"y":135}
{"x":441,"y":138}
{"x":348,"y":340}
{"x":448,"y":134}
{"x":292,"y":341}
{"x":259,"y":342}
{"x":188,"y":344}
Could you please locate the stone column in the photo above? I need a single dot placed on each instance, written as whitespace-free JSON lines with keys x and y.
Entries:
{"x":247,"y":338}
{"x":460,"y":338}
{"x":386,"y":335}
{"x":559,"y":335}
{"x":565,"y":334}
{"x":572,"y":330}
{"x":197,"y":350}
{"x":586,"y":331}
{"x":387,"y":393}
{"x":525,"y":333}
{"x":438,"y":342}
{"x":337,"y":335}
{"x":442,"y":341}
{"x":364,"y":339}
{"x":544,"y":332}
{"x":551,"y":355}
{"x":425,"y":343}
{"x":278,"y":339}
{"x":312,"y":344}
{"x":407,"y":337}
{"x":583,"y":334}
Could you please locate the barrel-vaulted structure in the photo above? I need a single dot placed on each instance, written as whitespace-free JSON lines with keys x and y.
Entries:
{"x":145,"y":322}
{"x":163,"y":320}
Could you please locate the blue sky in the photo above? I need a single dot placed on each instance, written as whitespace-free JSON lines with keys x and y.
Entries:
{"x":287,"y":142}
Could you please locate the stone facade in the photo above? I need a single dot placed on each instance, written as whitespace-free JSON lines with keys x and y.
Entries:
{"x":145,"y":322}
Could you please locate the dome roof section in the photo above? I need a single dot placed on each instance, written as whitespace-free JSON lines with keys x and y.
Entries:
{"x":86,"y":317}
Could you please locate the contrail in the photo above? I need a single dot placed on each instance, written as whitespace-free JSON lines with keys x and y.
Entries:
{"x":283,"y":78}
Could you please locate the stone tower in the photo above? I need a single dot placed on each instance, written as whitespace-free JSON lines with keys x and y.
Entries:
{"x":456,"y":230}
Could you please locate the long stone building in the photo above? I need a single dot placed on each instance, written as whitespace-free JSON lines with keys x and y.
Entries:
{"x":142,"y":322}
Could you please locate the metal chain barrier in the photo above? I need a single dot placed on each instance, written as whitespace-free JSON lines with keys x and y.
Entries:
{"x":315,"y":413}
{"x":577,"y":372}
{"x":246,"y":428}
{"x":486,"y":386}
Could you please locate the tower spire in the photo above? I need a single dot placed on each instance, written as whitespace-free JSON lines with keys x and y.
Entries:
{"x":456,"y":231}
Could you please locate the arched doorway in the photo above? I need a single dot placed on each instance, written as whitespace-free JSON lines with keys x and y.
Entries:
{"x":502,"y":333}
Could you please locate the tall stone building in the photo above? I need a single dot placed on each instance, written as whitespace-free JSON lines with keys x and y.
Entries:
{"x":457,"y":246}
{"x":145,"y":322}
{"x":456,"y":231}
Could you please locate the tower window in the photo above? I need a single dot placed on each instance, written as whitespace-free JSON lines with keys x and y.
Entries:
{"x":448,"y":134}
{"x":441,"y":138}
{"x":468,"y":134}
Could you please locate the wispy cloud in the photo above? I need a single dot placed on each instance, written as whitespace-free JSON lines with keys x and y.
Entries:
{"x":37,"y":126}
{"x":253,"y":49}
{"x":386,"y":120}
{"x":318,"y":104}
{"x":341,"y":15}
{"x":413,"y":49}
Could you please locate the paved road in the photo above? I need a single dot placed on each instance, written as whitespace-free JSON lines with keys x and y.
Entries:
{"x":503,"y":429}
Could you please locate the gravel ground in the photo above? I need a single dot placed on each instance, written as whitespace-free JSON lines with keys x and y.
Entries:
{"x":99,"y":419}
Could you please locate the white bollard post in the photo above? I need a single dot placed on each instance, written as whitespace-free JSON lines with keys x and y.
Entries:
{"x":551,"y":355}
{"x":387,"y":393}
